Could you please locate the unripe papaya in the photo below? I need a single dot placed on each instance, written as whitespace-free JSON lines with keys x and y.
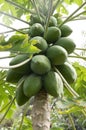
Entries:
{"x":65,"y":30}
{"x":52,"y":21}
{"x":68,"y":72}
{"x":36,"y":30}
{"x":40,"y":64}
{"x":13,"y":76}
{"x":41,"y":43}
{"x":66,"y":43}
{"x":20,"y":97}
{"x":35,"y":19}
{"x":24,"y":69}
{"x":53,"y":84}
{"x":32,"y":85}
{"x":52,"y":34}
{"x":56,"y":54}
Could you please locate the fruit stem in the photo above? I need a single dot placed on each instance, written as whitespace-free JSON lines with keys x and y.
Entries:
{"x":7,"y":109}
{"x":1,"y":12}
{"x":12,"y":28}
{"x":70,"y":16}
{"x":17,"y":65}
{"x":19,"y":6}
{"x":67,"y":85}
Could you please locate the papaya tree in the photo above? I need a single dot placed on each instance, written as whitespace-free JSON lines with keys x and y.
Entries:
{"x":39,"y":71}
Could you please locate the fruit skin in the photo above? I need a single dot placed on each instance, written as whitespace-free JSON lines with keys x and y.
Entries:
{"x":52,"y":21}
{"x":24,"y":69}
{"x":41,"y":43}
{"x":65,"y":30}
{"x":53,"y":84}
{"x":13,"y":76}
{"x":20,"y":97}
{"x":36,"y":30}
{"x":66,"y":43}
{"x":68,"y":72}
{"x":32,"y":85}
{"x":35,"y":19}
{"x":40,"y":64}
{"x":56,"y":54}
{"x":53,"y":34}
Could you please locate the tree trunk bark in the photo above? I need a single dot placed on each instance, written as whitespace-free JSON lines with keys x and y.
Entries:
{"x":41,"y":112}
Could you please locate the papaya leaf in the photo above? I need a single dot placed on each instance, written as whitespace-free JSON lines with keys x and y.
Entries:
{"x":78,"y":2}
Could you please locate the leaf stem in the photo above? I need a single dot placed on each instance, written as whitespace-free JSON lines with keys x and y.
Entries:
{"x":77,"y":15}
{"x":4,"y":107}
{"x":73,"y":93}
{"x":7,"y":109}
{"x":70,"y":16}
{"x":6,"y":57}
{"x":19,"y":6}
{"x":17,"y":65}
{"x":48,"y":17}
{"x":12,"y":28}
{"x":83,"y":49}
{"x":72,"y":122}
{"x":81,"y":57}
{"x":24,"y":112}
{"x":1,"y":12}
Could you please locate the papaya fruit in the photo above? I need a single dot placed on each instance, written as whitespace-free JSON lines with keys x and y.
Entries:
{"x":53,"y":84}
{"x":13,"y":76}
{"x":52,"y":34}
{"x":41,"y":43}
{"x":32,"y":85}
{"x":20,"y":97}
{"x":66,"y":43}
{"x":24,"y":69}
{"x":65,"y":30}
{"x":52,"y":21}
{"x":68,"y":72}
{"x":36,"y":30}
{"x":40,"y":64}
{"x":35,"y":19}
{"x":56,"y":54}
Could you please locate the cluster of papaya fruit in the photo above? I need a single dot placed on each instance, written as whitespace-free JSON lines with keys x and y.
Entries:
{"x":39,"y":72}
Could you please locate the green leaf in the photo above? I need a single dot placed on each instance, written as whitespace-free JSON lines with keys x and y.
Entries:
{"x":78,"y":2}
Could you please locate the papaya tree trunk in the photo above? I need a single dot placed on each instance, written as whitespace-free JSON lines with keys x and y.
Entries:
{"x":41,"y":112}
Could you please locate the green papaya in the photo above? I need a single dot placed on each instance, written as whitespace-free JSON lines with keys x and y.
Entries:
{"x":20,"y":97}
{"x":68,"y":72}
{"x":12,"y":76}
{"x":32,"y":85}
{"x":40,"y":64}
{"x":56,"y":54}
{"x":36,"y":30}
{"x":52,"y":21}
{"x":65,"y":30}
{"x":66,"y":43}
{"x":35,"y":19}
{"x":53,"y":84}
{"x":41,"y":43}
{"x":52,"y":34}
{"x":24,"y":69}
